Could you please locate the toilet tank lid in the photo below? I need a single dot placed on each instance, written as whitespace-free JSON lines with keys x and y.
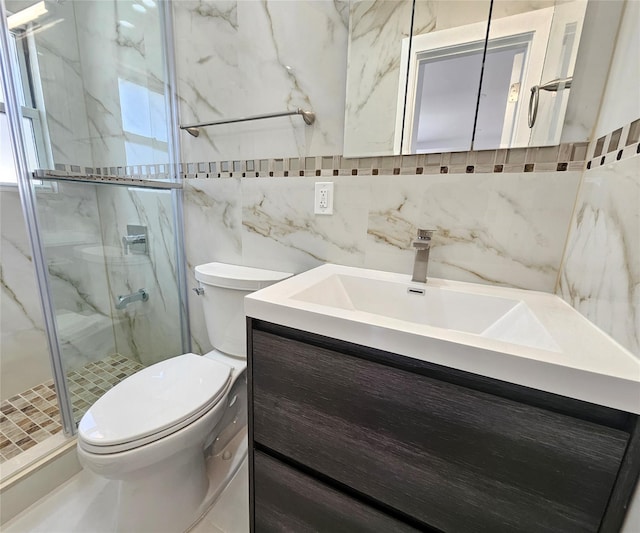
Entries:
{"x":238,"y":277}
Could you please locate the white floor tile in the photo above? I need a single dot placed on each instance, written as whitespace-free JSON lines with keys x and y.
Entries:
{"x":85,"y":503}
{"x":231,"y":512}
{"x":205,"y":527}
{"x":82,"y":504}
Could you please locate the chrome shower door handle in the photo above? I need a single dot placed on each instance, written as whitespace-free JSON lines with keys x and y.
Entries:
{"x":534,"y":97}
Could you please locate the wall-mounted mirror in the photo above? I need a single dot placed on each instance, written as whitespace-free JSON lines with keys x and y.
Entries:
{"x":443,"y":65}
{"x":529,"y":67}
{"x":542,"y":63}
{"x":377,"y":29}
{"x":380,"y":32}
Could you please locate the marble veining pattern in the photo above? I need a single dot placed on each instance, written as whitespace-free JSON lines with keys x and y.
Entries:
{"x":246,"y":58}
{"x":70,"y":224}
{"x":25,"y":356}
{"x":101,"y":69}
{"x":302,"y":239}
{"x":59,"y":66}
{"x":376,"y":31}
{"x":128,"y":43}
{"x":147,"y":331}
{"x":601,"y":272}
{"x":213,"y":232}
{"x":494,"y":229}
{"x":491,"y":228}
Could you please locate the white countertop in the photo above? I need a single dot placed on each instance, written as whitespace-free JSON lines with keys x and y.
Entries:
{"x":580,"y":361}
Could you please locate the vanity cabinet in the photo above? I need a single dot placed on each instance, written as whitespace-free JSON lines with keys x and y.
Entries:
{"x":345,"y":437}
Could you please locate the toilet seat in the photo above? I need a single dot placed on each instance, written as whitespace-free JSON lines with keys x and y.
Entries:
{"x":167,"y":396}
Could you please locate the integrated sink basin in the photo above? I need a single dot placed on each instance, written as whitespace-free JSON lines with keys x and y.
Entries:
{"x":496,"y":317}
{"x":525,"y":337}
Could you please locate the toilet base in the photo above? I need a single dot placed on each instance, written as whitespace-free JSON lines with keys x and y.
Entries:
{"x":220,"y":470}
{"x":163,"y":499}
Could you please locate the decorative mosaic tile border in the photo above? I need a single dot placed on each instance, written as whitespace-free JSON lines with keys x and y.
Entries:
{"x":620,"y":144}
{"x":32,"y":416}
{"x":615,"y":146}
{"x":558,"y":158}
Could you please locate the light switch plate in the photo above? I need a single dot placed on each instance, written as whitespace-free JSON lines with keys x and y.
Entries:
{"x":323,"y":199}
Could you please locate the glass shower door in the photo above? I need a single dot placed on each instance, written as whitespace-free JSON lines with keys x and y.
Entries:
{"x":91,"y":93}
{"x":117,"y":302}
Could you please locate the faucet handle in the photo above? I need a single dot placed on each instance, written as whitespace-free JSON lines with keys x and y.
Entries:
{"x":425,"y":233}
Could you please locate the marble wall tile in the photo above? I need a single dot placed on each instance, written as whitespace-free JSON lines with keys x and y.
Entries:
{"x":147,"y":331}
{"x":58,"y":63}
{"x":245,"y":58}
{"x":601,"y":269}
{"x":69,"y":222}
{"x":376,"y":31}
{"x":97,"y":34}
{"x":102,"y":75}
{"x":24,"y":354}
{"x":601,"y":272}
{"x":281,"y":231}
{"x":491,"y":228}
{"x":60,"y":71}
{"x":70,"y":230}
{"x":84,"y":59}
{"x":213,"y":232}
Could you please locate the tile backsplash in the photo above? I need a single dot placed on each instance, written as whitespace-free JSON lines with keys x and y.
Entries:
{"x":502,"y":216}
{"x":499,"y":228}
{"x":601,"y":272}
{"x":600,"y":276}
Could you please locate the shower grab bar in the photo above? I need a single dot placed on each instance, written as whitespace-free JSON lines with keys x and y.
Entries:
{"x":309,"y":118}
{"x":553,"y":86}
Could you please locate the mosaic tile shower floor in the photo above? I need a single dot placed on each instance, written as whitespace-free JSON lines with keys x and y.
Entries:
{"x":32,"y":416}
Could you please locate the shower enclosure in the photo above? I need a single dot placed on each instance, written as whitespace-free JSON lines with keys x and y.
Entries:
{"x":93,"y":280}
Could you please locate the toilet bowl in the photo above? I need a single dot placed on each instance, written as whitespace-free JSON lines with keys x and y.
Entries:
{"x":173,"y":434}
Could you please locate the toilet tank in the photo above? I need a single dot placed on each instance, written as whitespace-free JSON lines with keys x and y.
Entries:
{"x":225,"y":287}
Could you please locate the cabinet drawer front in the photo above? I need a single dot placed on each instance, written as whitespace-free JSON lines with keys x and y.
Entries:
{"x":288,"y":500}
{"x":454,"y":458}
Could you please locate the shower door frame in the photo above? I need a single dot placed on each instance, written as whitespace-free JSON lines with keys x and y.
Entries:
{"x":27,"y":199}
{"x":173,"y":120}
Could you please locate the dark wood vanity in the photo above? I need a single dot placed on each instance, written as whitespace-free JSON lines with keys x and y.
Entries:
{"x":344,"y":437}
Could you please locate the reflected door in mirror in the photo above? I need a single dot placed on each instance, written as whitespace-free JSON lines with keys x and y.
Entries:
{"x":531,"y":57}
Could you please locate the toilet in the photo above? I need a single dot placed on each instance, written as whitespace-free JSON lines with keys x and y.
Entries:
{"x":173,"y":434}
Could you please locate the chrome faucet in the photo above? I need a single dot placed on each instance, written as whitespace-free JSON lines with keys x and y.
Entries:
{"x":141,"y":295}
{"x":129,"y":240}
{"x":422,"y":244}
{"x":135,"y":240}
